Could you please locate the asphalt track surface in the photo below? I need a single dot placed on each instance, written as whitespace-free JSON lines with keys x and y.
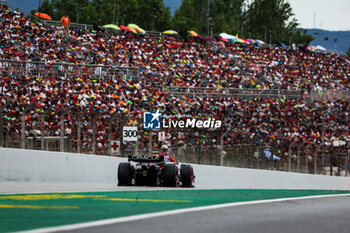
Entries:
{"x":330,"y":214}
{"x":45,"y":187}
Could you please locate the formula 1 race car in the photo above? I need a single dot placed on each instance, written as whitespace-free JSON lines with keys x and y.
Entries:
{"x":151,"y":170}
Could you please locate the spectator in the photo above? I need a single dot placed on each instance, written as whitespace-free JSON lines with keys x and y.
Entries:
{"x":95,"y":26}
{"x":65,"y":20}
{"x":59,"y":81}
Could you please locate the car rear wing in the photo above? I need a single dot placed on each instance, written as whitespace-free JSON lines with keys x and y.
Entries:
{"x":146,"y":158}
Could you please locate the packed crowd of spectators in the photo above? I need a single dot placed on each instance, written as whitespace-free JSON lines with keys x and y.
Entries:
{"x":46,"y":74}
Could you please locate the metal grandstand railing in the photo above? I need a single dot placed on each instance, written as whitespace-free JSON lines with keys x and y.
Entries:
{"x":59,"y":69}
{"x":234,"y":92}
{"x":330,"y":95}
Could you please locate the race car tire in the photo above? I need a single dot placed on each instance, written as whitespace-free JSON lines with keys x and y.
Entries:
{"x":186,"y":172}
{"x":125,"y":174}
{"x":170,"y":175}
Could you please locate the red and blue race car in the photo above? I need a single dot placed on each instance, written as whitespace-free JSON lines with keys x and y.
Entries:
{"x":152,"y":170}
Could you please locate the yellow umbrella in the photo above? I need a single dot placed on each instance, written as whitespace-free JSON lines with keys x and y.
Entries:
{"x":113,"y":26}
{"x":170,"y":32}
{"x":132,"y":25}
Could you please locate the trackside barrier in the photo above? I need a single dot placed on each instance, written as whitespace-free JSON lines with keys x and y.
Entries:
{"x":55,"y":167}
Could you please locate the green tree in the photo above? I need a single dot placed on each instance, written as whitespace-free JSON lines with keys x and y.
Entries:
{"x":348,"y":52}
{"x":208,"y":17}
{"x":272,"y":20}
{"x":153,"y":15}
{"x":46,"y":7}
{"x":300,"y":36}
{"x":226,"y":16}
{"x":149,"y":14}
{"x":184,"y":18}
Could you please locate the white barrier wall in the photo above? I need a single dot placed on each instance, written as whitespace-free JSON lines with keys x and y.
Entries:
{"x":54,"y":167}
{"x":241,"y":178}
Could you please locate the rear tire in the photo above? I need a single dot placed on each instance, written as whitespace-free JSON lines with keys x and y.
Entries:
{"x":187,"y":176}
{"x":125,"y":174}
{"x":170,"y":175}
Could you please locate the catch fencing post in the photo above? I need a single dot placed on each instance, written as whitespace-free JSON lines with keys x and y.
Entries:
{"x":137,"y":141}
{"x":290,"y":156}
{"x":222,"y":146}
{"x":79,"y":130}
{"x":299,"y":147}
{"x":347,"y":166}
{"x":62,"y":128}
{"x":244,"y":140}
{"x":273,"y":145}
{"x":199,"y":152}
{"x":176,"y":143}
{"x":94,"y":132}
{"x":307,"y":157}
{"x":23,"y":136}
{"x":315,"y":158}
{"x":79,"y":134}
{"x":187,"y":145}
{"x":233,"y":150}
{"x":110,"y":123}
{"x":2,"y":141}
{"x":42,"y":146}
{"x":251,"y":162}
{"x":137,"y":145}
{"x":331,"y":164}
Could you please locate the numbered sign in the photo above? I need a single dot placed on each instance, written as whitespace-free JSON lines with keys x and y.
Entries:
{"x":129,"y":134}
{"x":161,"y":136}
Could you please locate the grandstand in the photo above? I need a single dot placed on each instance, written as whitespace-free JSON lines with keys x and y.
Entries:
{"x":73,"y":90}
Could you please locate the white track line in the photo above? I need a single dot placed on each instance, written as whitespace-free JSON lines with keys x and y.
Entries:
{"x":166,"y":213}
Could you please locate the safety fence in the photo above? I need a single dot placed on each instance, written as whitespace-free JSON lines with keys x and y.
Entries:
{"x":301,"y":158}
{"x":101,"y":134}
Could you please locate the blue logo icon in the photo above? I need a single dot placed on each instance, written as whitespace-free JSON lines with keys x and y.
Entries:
{"x":151,"y":120}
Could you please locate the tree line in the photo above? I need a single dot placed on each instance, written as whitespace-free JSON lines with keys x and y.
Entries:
{"x":268,"y":20}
